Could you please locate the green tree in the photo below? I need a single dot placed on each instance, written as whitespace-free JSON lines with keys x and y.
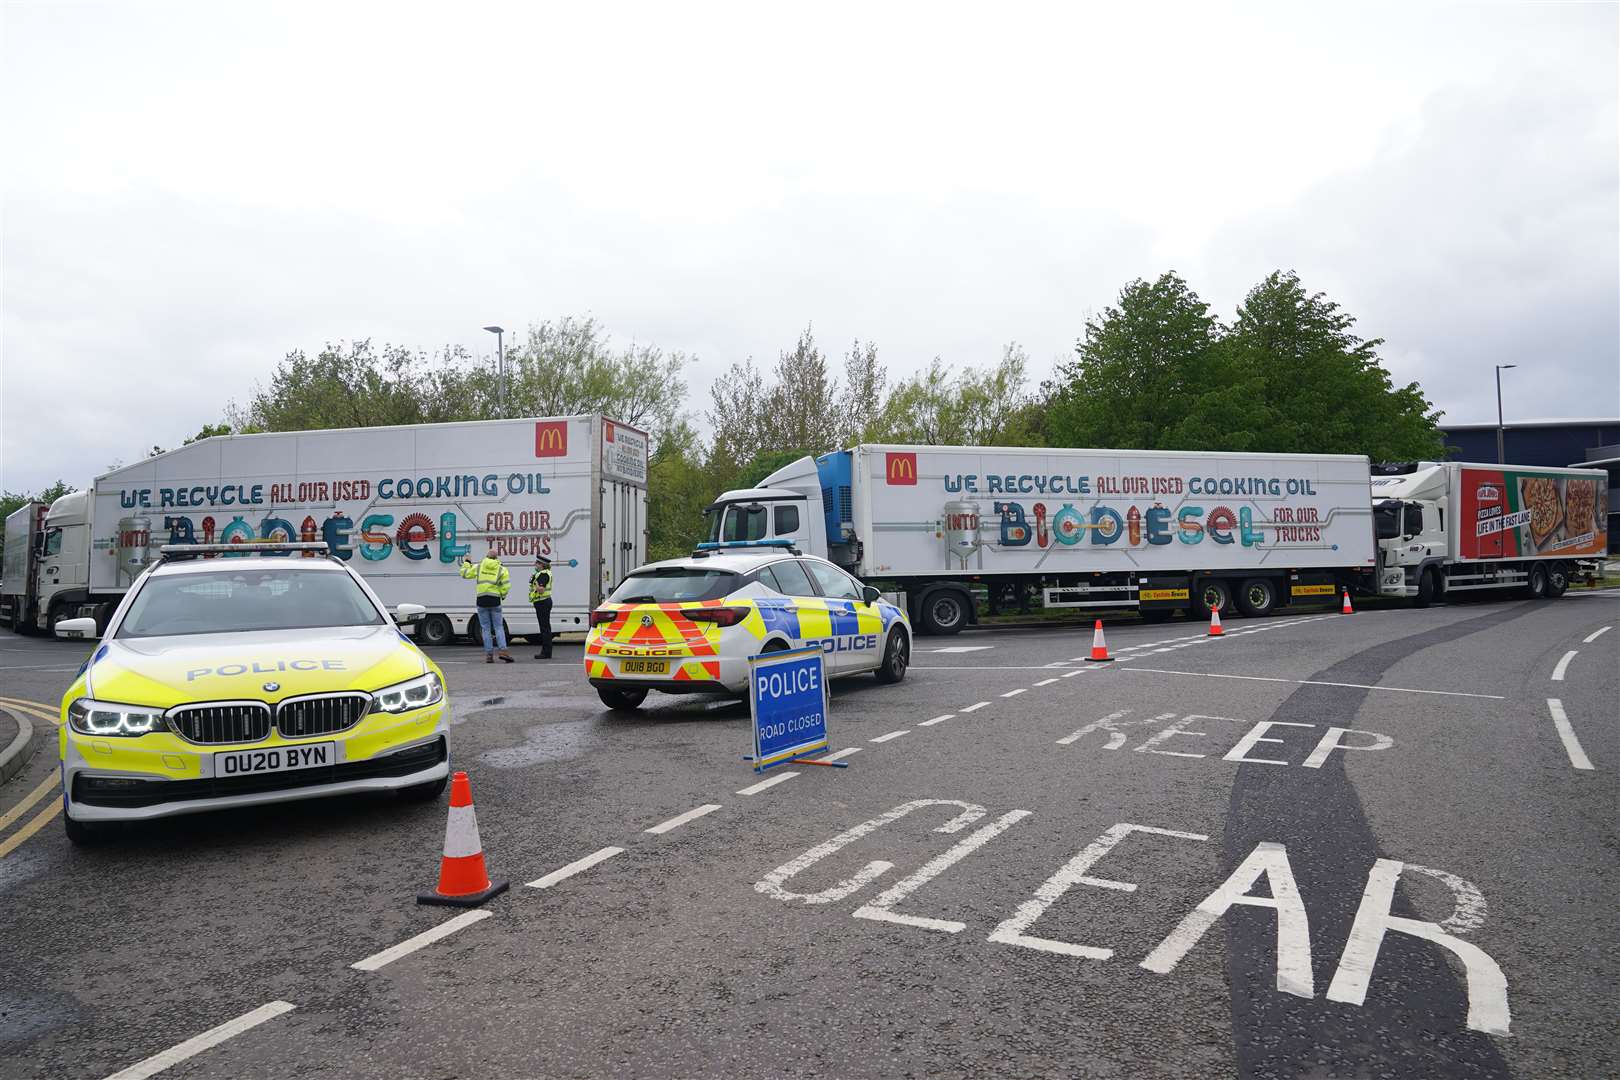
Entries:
{"x":570,"y":366}
{"x":974,"y":407}
{"x":12,"y":501}
{"x":355,"y":385}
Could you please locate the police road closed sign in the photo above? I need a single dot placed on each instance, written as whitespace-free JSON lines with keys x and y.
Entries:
{"x":787,"y":693}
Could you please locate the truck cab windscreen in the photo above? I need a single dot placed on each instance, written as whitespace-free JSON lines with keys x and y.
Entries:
{"x":675,"y":585}
{"x":1387,"y":520}
{"x":738,"y":521}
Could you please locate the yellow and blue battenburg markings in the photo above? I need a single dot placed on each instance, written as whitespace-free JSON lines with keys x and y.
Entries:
{"x":787,"y":695}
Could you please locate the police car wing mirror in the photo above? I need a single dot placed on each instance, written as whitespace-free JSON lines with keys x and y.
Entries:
{"x":409,"y":613}
{"x":77,"y":628}
{"x":871,"y":594}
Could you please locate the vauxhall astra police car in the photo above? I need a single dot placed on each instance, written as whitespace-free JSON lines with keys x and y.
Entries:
{"x":690,"y":625}
{"x":238,"y":679}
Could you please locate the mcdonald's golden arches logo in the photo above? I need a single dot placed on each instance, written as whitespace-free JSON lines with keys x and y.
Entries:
{"x":901,"y":468}
{"x":551,"y":438}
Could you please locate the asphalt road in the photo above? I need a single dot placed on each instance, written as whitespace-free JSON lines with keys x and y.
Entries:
{"x":1320,"y":846}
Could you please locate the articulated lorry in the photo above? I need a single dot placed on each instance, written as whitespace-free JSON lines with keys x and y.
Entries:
{"x":1150,"y":531}
{"x":401,"y":504}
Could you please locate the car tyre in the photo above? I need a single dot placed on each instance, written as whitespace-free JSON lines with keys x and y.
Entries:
{"x":1557,"y":580}
{"x":79,"y":833}
{"x":435,"y":630}
{"x":427,"y":792}
{"x":1537,"y":585}
{"x":1257,"y":597}
{"x":624,"y":701}
{"x":896,"y":658}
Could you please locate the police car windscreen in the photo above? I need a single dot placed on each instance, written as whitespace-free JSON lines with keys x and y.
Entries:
{"x":218,"y":602}
{"x":674,"y":585}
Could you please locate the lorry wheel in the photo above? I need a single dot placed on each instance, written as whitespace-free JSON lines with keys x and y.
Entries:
{"x":944,"y":612}
{"x":621,"y":700}
{"x":1557,"y":579}
{"x":1537,"y":585}
{"x":896,"y":658}
{"x":1257,"y":597}
{"x":1426,"y":589}
{"x":1214,"y":594}
{"x":435,"y":630}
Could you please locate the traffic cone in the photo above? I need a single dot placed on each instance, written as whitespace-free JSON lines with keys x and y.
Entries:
{"x":1347,"y":609}
{"x":463,"y":881}
{"x":1215,"y":622}
{"x":1099,"y":645}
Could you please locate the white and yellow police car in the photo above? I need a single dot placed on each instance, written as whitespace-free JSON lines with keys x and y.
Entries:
{"x":690,"y":625}
{"x":229,"y":679}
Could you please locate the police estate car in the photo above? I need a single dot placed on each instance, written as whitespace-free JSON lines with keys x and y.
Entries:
{"x":236,"y":679}
{"x":690,"y":625}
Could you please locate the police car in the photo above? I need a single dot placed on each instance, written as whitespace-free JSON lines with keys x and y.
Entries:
{"x":690,"y":625}
{"x":227,"y":678}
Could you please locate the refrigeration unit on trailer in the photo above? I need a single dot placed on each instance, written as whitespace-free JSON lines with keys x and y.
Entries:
{"x":400,"y":504}
{"x":1144,"y":530}
{"x":1454,"y":527}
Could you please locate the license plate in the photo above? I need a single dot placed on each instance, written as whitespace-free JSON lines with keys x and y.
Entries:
{"x":275,"y":759}
{"x":644,"y":667}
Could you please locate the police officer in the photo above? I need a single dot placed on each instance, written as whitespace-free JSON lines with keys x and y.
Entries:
{"x":493,"y":585}
{"x":540,"y":597}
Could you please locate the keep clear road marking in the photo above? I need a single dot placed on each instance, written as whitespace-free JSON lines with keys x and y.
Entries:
{"x":681,"y":819}
{"x":1318,"y":682}
{"x":936,"y":720}
{"x":1563,"y":665}
{"x":975,"y":707}
{"x":1572,"y":745}
{"x":844,"y":753}
{"x":425,"y":938}
{"x":1015,"y":693}
{"x":575,"y":867}
{"x":1594,"y":635}
{"x":197,"y":1044}
{"x":755,"y":789}
{"x":890,"y":735}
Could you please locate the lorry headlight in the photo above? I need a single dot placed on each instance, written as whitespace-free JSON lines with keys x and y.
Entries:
{"x":418,"y":693}
{"x":90,"y":717}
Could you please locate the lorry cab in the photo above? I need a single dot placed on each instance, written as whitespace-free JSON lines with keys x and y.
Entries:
{"x":792,"y":503}
{"x":62,"y":562}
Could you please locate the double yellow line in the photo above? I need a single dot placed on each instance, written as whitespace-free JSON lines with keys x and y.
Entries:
{"x":39,"y":712}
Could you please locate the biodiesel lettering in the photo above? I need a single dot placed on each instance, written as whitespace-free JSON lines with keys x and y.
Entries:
{"x":264,"y":667}
{"x":416,"y":537}
{"x":1155,"y":525}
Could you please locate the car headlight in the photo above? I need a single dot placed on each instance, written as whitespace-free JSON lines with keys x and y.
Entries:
{"x":418,"y":693}
{"x":90,"y":717}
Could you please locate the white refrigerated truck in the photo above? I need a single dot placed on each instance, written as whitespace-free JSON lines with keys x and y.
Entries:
{"x":401,"y":504}
{"x":1145,"y":530}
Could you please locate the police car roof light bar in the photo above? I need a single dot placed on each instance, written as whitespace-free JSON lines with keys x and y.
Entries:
{"x":245,"y":547}
{"x":711,"y":545}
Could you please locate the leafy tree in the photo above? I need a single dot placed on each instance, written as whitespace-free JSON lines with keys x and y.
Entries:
{"x":862,"y":396}
{"x":12,"y":501}
{"x":355,"y":385}
{"x":971,"y":408}
{"x":208,"y":431}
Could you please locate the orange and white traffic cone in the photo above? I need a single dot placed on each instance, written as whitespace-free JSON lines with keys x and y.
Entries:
{"x":463,"y":881}
{"x":1347,"y":609}
{"x":1099,"y":645}
{"x":1215,"y":622}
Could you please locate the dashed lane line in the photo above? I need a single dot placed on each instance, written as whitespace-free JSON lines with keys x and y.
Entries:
{"x":755,"y":789}
{"x":575,"y":867}
{"x":936,"y":720}
{"x":28,"y":800}
{"x":1046,"y":682}
{"x":1015,"y":693}
{"x":198,"y":1043}
{"x":425,"y":938}
{"x":1566,"y":734}
{"x":1594,"y":635}
{"x":1319,"y":682}
{"x":975,"y":707}
{"x":1563,"y":665}
{"x":840,"y":755}
{"x":890,"y":735}
{"x":1076,"y":671}
{"x":681,"y":819}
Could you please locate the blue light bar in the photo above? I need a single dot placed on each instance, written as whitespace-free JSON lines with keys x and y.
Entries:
{"x":710,"y":545}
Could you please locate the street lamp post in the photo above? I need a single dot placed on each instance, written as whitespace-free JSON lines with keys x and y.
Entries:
{"x":1501,"y":455}
{"x":500,"y":372}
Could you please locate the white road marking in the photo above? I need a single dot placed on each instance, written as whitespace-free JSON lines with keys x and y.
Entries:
{"x":1594,"y":635}
{"x":976,"y":707}
{"x":198,"y":1043}
{"x":881,"y":909}
{"x":575,"y":867}
{"x":1572,"y":745}
{"x":426,"y":937}
{"x":844,"y":753}
{"x":1558,"y":672}
{"x":681,"y":819}
{"x":1318,"y":682}
{"x":962,"y":649}
{"x":1015,"y":693}
{"x":1072,"y":674}
{"x":890,"y":735}
{"x":755,"y":789}
{"x":936,"y":720}
{"x":773,"y":884}
{"x":1046,"y":682}
{"x":1116,"y":738}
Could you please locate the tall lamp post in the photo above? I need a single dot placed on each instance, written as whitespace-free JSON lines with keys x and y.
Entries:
{"x":1501,"y":455}
{"x":500,"y":375}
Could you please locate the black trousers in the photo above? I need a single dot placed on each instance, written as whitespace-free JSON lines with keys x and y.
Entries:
{"x":542,"y":611}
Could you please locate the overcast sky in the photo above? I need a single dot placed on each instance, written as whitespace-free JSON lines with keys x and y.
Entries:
{"x":190,"y":191}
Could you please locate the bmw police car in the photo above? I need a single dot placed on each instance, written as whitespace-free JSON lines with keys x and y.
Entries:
{"x":250,"y":678}
{"x":690,"y":625}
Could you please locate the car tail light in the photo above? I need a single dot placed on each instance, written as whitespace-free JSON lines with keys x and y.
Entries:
{"x":720,"y":616}
{"x":600,"y":617}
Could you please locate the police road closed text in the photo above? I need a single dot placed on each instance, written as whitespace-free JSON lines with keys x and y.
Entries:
{"x":777,"y":682}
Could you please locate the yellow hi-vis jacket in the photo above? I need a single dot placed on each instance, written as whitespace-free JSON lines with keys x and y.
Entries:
{"x":540,"y":585}
{"x":493,"y":580}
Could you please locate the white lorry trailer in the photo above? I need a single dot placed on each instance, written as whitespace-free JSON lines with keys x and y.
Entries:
{"x":1143,"y":530}
{"x":401,"y":504}
{"x":24,"y":528}
{"x":1454,"y":527}
{"x":1151,"y":531}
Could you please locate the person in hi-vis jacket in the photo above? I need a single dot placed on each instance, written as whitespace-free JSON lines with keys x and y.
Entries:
{"x":493,"y":585}
{"x":540,"y":597}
